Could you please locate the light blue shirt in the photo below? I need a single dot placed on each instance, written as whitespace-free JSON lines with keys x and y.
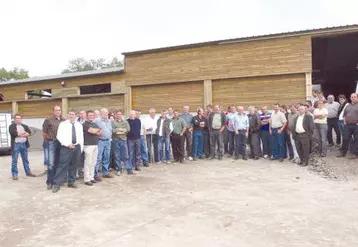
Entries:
{"x":106,"y":126}
{"x":241,"y":122}
{"x":230,"y":117}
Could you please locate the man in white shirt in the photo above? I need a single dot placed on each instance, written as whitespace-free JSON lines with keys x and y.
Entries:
{"x":70,"y":136}
{"x":150,"y":125}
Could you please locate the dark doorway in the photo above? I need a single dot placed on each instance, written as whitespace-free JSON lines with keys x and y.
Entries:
{"x":335,"y":63}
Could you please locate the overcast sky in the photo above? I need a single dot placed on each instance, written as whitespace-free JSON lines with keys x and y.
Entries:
{"x":43,"y":35}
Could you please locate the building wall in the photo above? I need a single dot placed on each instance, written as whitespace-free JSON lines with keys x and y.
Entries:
{"x":111,"y":102}
{"x":41,"y":108}
{"x":168,"y":95}
{"x":5,"y":107}
{"x":259,"y":91}
{"x":245,"y":59}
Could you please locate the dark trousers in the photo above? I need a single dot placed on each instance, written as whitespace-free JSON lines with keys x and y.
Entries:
{"x":188,"y":139}
{"x":254,"y":141}
{"x":240,"y":143}
{"x":134,"y":152}
{"x":207,"y":146}
{"x":177,"y":146}
{"x":332,"y":123}
{"x":226,"y":140}
{"x":231,"y":142}
{"x":266,"y":142}
{"x":288,"y":146}
{"x":303,"y":143}
{"x":69,"y":159}
{"x":152,"y":141}
{"x":112,"y":159}
{"x":216,"y":140}
{"x":54,"y":148}
{"x":81,"y":165}
{"x":349,"y":131}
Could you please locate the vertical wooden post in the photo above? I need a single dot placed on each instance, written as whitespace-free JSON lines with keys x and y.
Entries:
{"x":128,"y":100}
{"x":308,"y":86}
{"x":15,"y":107}
{"x":208,"y":93}
{"x":64,"y":107}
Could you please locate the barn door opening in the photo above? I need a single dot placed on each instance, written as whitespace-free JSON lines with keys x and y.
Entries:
{"x":335,"y":64}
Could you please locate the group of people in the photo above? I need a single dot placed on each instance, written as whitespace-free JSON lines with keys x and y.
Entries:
{"x":96,"y":142}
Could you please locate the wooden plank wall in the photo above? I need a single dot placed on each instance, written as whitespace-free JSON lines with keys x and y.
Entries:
{"x":168,"y":95}
{"x":37,"y":108}
{"x":260,"y":91}
{"x":244,"y":59}
{"x":5,"y":107}
{"x":111,"y":102}
{"x":18,"y":91}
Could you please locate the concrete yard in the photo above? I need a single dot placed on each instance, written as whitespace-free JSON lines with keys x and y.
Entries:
{"x":206,"y":203}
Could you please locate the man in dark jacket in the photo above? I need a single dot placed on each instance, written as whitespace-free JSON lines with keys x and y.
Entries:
{"x":302,"y":133}
{"x":164,"y":130}
{"x":217,"y":124}
{"x":19,"y":145}
{"x":254,"y":133}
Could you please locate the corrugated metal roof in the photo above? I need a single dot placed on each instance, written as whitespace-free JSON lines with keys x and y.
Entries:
{"x":251,"y":38}
{"x":64,"y":76}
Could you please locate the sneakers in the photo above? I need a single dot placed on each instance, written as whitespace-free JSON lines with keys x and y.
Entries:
{"x":119,"y":173}
{"x":190,"y":158}
{"x":265,"y":156}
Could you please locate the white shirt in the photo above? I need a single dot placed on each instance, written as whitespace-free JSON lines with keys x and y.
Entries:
{"x":142,"y":128}
{"x":341,"y":114}
{"x":299,"y":124}
{"x":161,"y":127}
{"x":64,"y":133}
{"x":151,"y":123}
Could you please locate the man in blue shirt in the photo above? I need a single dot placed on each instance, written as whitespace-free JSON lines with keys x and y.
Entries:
{"x":265,"y":136}
{"x":104,"y":144}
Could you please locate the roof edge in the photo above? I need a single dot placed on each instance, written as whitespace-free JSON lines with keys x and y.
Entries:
{"x":353,"y":27}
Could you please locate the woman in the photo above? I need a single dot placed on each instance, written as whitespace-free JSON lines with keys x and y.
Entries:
{"x":199,"y":123}
{"x":343,"y":103}
{"x":320,"y":119}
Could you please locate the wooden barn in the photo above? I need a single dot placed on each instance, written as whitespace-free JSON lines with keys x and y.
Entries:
{"x":259,"y":70}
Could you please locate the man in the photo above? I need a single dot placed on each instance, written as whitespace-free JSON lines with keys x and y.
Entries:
{"x":70,"y":136}
{"x":302,"y":132}
{"x":310,"y":107}
{"x":121,"y":128}
{"x":320,"y":97}
{"x":164,"y":129}
{"x":150,"y":125}
{"x":19,"y":133}
{"x":143,"y":145}
{"x":265,"y":118}
{"x":199,"y":123}
{"x":207,"y":149}
{"x":254,"y":133}
{"x":170,"y":114}
{"x":82,"y":116}
{"x":91,"y":133}
{"x":49,"y":130}
{"x":104,"y":145}
{"x":241,"y":128}
{"x":133,"y":138}
{"x":287,"y":144}
{"x":177,"y":137}
{"x":277,"y":126}
{"x":290,"y":127}
{"x":314,"y":97}
{"x":350,"y":117}
{"x":332,"y":120}
{"x":96,"y":114}
{"x":230,"y":118}
{"x":188,"y":118}
{"x":217,"y":124}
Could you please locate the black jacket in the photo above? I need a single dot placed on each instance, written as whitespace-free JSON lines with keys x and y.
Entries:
{"x":341,"y":107}
{"x":13,"y":134}
{"x":196,"y":123}
{"x":308,"y":125}
{"x":211,"y":117}
{"x":254,"y":124}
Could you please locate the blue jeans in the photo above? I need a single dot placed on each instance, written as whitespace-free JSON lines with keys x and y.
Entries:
{"x":121,"y":152}
{"x":198,"y":144}
{"x":163,"y":147}
{"x":104,"y":152}
{"x":45,"y":147}
{"x":143,"y":149}
{"x":54,"y":148}
{"x":341,"y":127}
{"x":266,"y":142}
{"x":19,"y":148}
{"x":278,"y":144}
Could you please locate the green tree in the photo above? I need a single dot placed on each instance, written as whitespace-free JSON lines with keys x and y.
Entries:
{"x":81,"y":64}
{"x":13,"y":74}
